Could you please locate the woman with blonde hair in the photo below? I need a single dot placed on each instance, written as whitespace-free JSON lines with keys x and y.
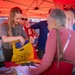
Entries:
{"x":12,"y":30}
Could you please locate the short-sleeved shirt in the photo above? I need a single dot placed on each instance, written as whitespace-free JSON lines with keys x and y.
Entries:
{"x":43,"y":32}
{"x":17,"y":31}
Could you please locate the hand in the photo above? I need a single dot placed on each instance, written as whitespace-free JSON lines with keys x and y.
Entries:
{"x":22,"y":40}
{"x":35,"y":45}
{"x":32,"y":39}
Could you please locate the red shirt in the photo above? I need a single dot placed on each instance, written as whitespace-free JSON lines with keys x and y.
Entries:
{"x":51,"y":45}
{"x":28,"y":31}
{"x":50,"y":49}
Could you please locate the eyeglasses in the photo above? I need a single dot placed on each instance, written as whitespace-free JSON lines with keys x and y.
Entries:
{"x":24,"y":19}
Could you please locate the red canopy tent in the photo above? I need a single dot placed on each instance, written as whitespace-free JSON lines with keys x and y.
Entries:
{"x":33,"y":8}
{"x":65,"y":2}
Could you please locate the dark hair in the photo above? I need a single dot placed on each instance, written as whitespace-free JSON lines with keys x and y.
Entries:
{"x":65,"y":9}
{"x":24,"y":19}
{"x":49,"y":11}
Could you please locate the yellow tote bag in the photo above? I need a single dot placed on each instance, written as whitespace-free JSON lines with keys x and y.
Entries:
{"x":24,"y":54}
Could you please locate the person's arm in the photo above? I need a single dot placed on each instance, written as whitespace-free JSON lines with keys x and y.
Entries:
{"x":24,"y":34}
{"x":13,"y":38}
{"x":48,"y":56}
{"x":6,"y":38}
{"x":35,"y":33}
{"x":36,"y":25}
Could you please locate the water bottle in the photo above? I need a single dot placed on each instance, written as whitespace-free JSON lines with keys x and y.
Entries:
{"x":1,"y":51}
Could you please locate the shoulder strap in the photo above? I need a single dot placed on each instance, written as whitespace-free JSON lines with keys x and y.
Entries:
{"x":66,"y":45}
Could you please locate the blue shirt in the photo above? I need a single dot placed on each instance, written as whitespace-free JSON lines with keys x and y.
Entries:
{"x":74,"y":26}
{"x":43,"y":31}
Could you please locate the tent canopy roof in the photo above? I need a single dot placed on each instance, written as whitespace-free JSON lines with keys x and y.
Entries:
{"x":33,"y":8}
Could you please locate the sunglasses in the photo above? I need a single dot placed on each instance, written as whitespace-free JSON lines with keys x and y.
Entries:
{"x":24,"y":19}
